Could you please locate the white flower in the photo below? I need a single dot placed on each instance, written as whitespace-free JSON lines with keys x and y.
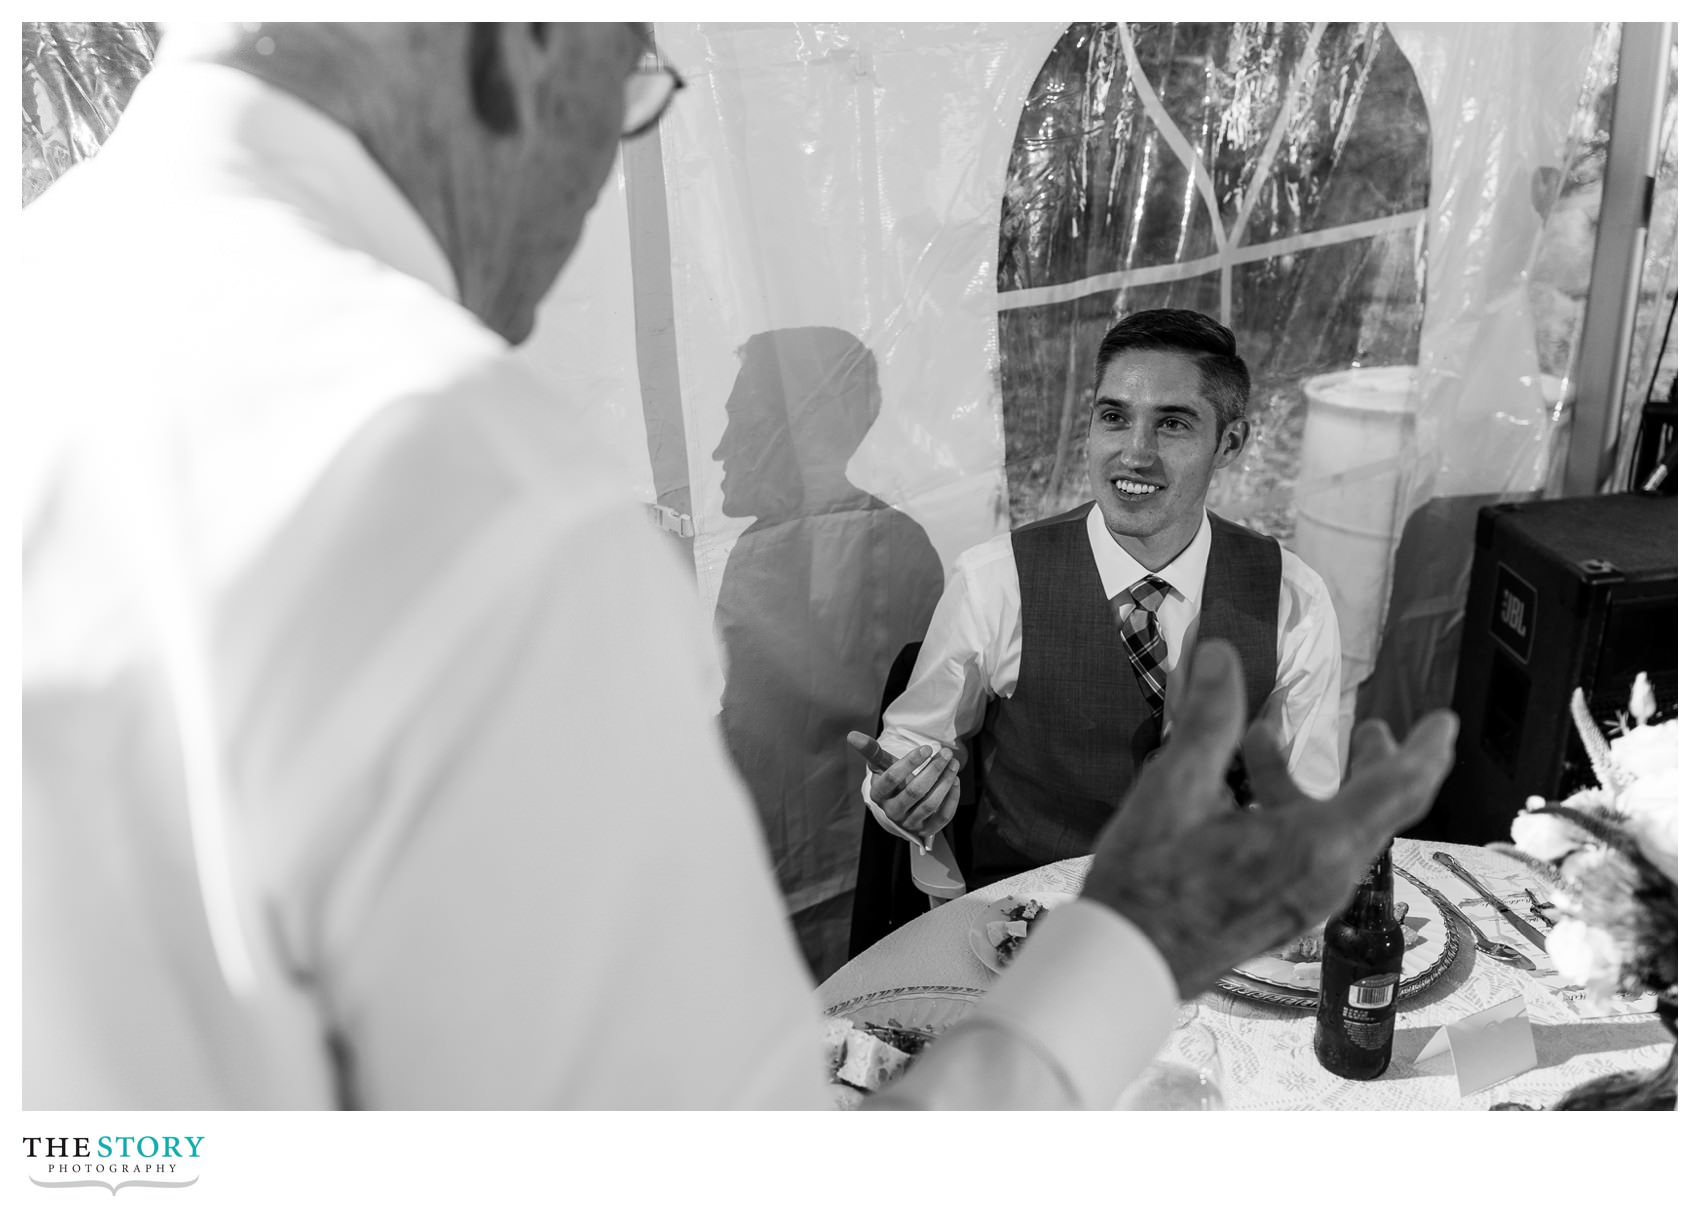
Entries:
{"x":1590,"y":799}
{"x":1543,"y":836}
{"x":1648,"y":751}
{"x":1650,"y":803}
{"x":1641,"y":703}
{"x":1588,"y":956}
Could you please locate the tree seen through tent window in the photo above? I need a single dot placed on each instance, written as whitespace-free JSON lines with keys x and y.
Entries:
{"x":1314,"y":144}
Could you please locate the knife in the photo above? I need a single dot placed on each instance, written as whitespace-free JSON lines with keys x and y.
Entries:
{"x":1523,"y":927}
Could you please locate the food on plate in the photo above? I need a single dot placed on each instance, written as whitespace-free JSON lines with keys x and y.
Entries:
{"x":833,"y":1035}
{"x":1012,"y":926}
{"x":870,"y":1062}
{"x":867,"y":1057}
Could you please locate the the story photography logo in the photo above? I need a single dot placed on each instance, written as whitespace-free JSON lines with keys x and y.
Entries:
{"x":113,"y":1161}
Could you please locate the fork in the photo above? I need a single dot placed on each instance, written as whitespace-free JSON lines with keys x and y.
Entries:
{"x":1537,"y":907}
{"x":1484,"y":944}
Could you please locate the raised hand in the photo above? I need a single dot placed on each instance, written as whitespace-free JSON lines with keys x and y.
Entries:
{"x":1211,"y":886}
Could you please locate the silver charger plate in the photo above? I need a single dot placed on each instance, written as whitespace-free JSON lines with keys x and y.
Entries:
{"x":1262,"y":980}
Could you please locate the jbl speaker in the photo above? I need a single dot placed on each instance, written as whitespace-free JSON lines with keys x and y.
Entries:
{"x":1576,"y":592}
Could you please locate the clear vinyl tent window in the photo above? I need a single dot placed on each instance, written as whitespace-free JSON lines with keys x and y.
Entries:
{"x":77,"y":78}
{"x":1653,"y":348}
{"x":1568,"y":196}
{"x":1274,"y":176}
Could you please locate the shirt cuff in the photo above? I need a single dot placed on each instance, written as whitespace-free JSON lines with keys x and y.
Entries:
{"x":1093,"y":994}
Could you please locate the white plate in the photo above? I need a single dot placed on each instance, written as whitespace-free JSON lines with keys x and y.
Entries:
{"x":930,"y":1008}
{"x":1423,"y":963}
{"x":933,"y":1009}
{"x":981,"y":945}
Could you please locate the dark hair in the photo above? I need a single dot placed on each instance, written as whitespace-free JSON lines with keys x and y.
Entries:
{"x":1225,"y":380}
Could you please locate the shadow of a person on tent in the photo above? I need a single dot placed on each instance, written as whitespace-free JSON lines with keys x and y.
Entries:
{"x":820,"y":593}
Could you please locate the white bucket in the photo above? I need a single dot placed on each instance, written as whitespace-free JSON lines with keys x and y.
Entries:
{"x":1358,"y":437}
{"x":1357,"y":432}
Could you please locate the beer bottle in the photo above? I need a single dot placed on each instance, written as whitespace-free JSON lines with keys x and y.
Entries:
{"x":1363,"y":948}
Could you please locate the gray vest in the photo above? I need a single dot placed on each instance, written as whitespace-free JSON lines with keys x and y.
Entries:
{"x":1059,"y":753}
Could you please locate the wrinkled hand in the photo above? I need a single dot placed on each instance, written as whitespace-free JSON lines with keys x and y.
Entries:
{"x":1211,"y":886}
{"x":919,"y":792}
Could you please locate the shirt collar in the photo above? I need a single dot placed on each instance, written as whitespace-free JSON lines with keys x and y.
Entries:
{"x":221,"y":123}
{"x":1117,"y":569}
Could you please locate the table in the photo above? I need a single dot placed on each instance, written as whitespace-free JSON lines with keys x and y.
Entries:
{"x":1266,"y":1050}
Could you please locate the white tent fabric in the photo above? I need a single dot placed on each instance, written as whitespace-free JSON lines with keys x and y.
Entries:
{"x":853,"y":178}
{"x":807,"y":316}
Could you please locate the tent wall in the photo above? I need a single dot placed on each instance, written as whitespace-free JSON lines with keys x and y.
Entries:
{"x":853,"y":178}
{"x":789,"y":319}
{"x":834,"y":195}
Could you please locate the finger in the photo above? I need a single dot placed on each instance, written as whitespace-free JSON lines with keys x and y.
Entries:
{"x":869,"y":750}
{"x":1384,"y":798}
{"x":1387,"y":791}
{"x":915,"y":820}
{"x":1372,"y":741}
{"x":893,"y":782}
{"x":946,"y":811}
{"x":1181,"y":785}
{"x":1175,"y":693}
{"x":1338,"y":847}
{"x":925,"y":782}
{"x":1418,"y":767}
{"x":1266,"y":767}
{"x":1437,"y":729}
{"x":1210,"y":719}
{"x":1428,"y":752}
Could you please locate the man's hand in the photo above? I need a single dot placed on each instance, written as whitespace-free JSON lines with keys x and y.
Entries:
{"x":1210,"y":886}
{"x":918,"y":792}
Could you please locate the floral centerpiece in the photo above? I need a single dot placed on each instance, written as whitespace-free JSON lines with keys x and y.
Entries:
{"x":1609,"y":855}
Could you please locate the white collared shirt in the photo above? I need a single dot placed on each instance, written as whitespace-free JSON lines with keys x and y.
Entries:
{"x":297,"y":523}
{"x":972,"y":651}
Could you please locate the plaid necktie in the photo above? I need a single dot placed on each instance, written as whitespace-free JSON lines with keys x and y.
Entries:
{"x":1136,"y":614}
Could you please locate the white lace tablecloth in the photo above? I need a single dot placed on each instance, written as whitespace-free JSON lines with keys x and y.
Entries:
{"x":1266,"y":1050}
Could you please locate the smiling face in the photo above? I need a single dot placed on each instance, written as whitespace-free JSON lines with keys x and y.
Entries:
{"x":1151,"y":450}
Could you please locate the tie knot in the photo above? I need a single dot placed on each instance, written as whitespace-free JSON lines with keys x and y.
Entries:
{"x":1148,"y":593}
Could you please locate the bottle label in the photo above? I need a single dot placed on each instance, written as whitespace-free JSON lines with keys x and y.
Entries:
{"x":1373,"y":992}
{"x":1369,"y":1031}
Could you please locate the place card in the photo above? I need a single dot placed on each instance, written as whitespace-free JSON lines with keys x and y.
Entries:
{"x":1487,"y":1047}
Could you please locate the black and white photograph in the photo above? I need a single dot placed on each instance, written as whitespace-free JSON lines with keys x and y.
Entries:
{"x":580,"y":567}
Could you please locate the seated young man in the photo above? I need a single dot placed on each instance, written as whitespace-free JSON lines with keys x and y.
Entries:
{"x":1054,"y":644}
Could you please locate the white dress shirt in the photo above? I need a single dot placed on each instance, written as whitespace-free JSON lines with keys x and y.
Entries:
{"x":972,"y":652}
{"x":363,"y":713}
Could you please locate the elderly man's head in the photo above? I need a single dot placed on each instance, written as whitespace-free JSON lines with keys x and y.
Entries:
{"x":501,"y":135}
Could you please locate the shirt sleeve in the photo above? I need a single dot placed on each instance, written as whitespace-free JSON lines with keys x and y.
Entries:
{"x":971,"y":652}
{"x":1085,"y":1007}
{"x":1306,"y":699}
